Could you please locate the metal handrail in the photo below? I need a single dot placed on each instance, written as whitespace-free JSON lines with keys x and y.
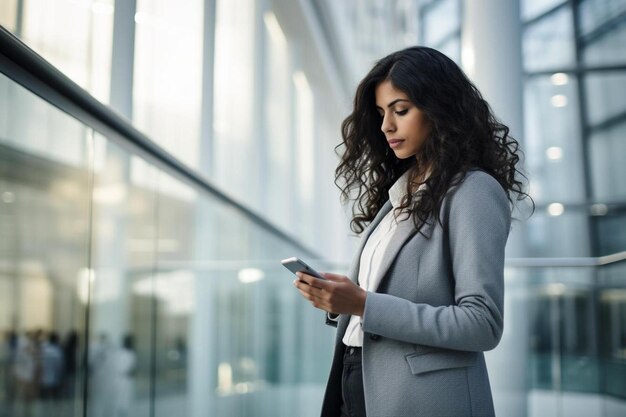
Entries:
{"x":30,"y":70}
{"x":566,"y":262}
{"x":324,"y":264}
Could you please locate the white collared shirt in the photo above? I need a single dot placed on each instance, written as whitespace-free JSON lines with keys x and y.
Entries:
{"x":372,"y":255}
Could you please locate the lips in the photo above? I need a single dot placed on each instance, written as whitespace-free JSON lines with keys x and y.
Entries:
{"x":395,"y":142}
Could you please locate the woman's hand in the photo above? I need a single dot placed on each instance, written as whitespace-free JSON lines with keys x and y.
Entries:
{"x":336,"y":294}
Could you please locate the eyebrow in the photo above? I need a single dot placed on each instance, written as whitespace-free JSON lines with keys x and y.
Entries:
{"x":393,"y":102}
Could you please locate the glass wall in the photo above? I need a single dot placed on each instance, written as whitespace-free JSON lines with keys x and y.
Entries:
{"x":234,"y":90}
{"x":575,"y":344}
{"x":574,"y":124}
{"x":45,"y":185}
{"x":127,"y":292}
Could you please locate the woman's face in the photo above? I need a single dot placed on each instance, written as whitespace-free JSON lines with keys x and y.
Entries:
{"x":406,"y":127}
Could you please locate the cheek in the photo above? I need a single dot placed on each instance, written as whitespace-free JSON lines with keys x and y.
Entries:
{"x":421,"y":129}
{"x":425,"y":127}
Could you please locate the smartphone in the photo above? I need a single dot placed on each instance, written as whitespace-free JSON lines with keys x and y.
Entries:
{"x":297,"y":265}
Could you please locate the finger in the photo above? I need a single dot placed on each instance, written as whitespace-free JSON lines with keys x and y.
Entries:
{"x":317,"y":292}
{"x":312,"y":281}
{"x":305,"y":277}
{"x":302,"y":286}
{"x":334,"y":277}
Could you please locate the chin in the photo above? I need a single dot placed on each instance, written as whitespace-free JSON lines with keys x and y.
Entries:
{"x":404,"y":155}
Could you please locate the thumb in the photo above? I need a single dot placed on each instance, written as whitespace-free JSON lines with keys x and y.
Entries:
{"x":334,"y":277}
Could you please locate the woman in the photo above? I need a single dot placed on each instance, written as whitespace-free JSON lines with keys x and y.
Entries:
{"x":432,"y":173}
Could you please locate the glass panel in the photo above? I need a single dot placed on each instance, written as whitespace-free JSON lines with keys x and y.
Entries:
{"x":39,"y":139}
{"x":533,"y":8}
{"x":121,"y":299}
{"x":549,"y":43}
{"x":576,"y":321}
{"x":74,"y":36}
{"x":613,"y":341}
{"x":167,"y":93}
{"x":565,"y":235}
{"x":562,"y":344}
{"x":231,"y":331}
{"x":441,"y":20}
{"x":552,"y":139}
{"x":595,"y":13}
{"x":607,"y":150}
{"x":609,"y":49}
{"x":611,"y":233}
{"x":605,"y":95}
{"x":175,"y":287}
{"x":44,"y":242}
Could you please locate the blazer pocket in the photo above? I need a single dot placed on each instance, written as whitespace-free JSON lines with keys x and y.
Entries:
{"x":435,"y":361}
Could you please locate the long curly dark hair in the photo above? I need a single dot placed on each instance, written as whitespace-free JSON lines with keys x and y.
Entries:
{"x":464,"y":135}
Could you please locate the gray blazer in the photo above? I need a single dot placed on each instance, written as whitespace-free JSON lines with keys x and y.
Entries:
{"x":437,"y":308}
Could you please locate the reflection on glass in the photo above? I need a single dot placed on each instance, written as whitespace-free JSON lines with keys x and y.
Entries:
{"x":175,"y":288}
{"x":44,"y":235}
{"x":41,"y":139}
{"x":121,"y":335}
{"x":613,"y":340}
{"x":576,"y":338}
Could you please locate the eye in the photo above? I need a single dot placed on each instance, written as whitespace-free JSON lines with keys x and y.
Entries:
{"x":402,"y":112}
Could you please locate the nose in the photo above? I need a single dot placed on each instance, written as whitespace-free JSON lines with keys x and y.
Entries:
{"x":387,"y":125}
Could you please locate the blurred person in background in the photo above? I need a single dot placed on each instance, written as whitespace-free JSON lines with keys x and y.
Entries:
{"x":25,"y":373}
{"x":52,"y":365}
{"x":124,"y":371}
{"x":9,"y":351}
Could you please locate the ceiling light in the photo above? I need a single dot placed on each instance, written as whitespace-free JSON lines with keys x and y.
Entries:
{"x":560,"y":78}
{"x":554,"y":153}
{"x":556,"y":209}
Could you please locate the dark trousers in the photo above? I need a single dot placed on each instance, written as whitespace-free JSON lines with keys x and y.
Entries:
{"x":352,"y":384}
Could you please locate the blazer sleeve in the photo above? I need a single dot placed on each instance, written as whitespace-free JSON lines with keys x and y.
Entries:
{"x":478,"y":226}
